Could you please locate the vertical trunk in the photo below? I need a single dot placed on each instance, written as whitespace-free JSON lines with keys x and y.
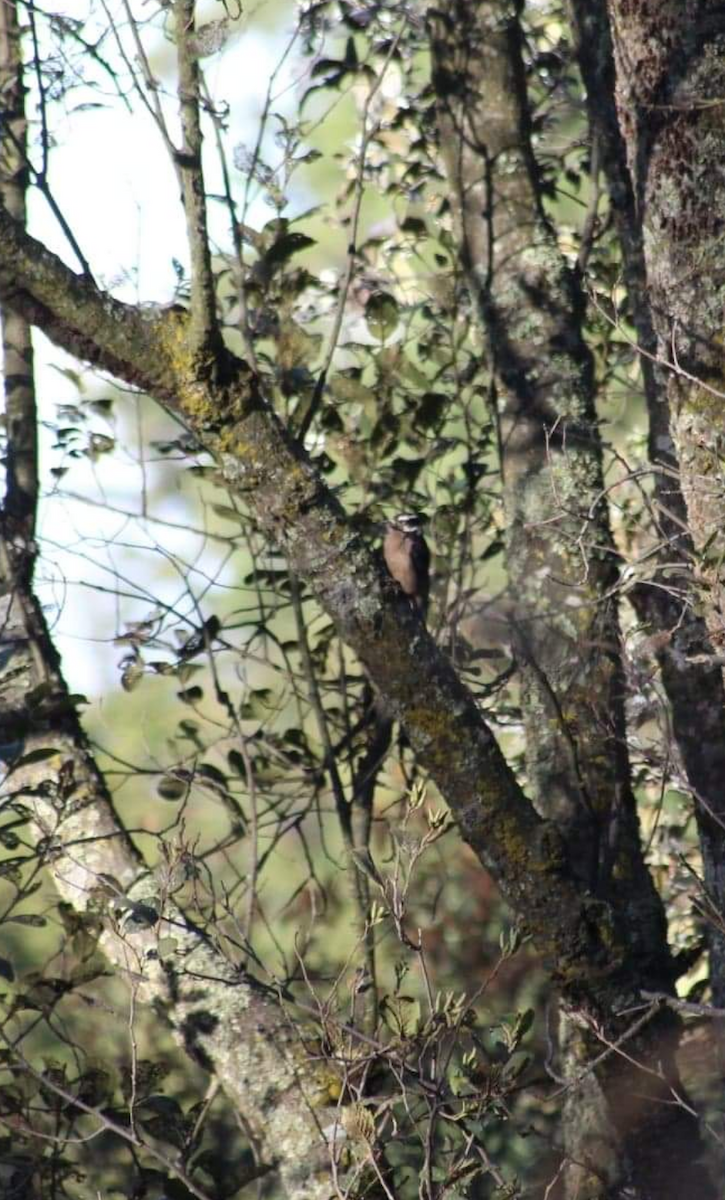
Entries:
{"x":22,"y":467}
{"x":560,"y":559}
{"x":669,"y":149}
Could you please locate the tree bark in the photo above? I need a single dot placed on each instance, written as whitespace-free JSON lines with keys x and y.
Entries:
{"x":605,"y":947}
{"x":20,"y":413}
{"x":568,"y":642}
{"x":666,"y":603}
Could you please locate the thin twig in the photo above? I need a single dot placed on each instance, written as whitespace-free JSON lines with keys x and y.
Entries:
{"x":367,"y":136}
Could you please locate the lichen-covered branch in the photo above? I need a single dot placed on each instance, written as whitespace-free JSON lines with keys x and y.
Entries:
{"x":292,"y":504}
{"x":219,"y":1014}
{"x":204,"y":327}
{"x":593,"y":957}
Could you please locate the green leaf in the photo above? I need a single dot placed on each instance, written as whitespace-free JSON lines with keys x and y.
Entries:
{"x":351,"y":58}
{"x":226,"y":513}
{"x":416,"y":226}
{"x":382,"y":315}
{"x":283,"y":249}
{"x":132,"y":675}
{"x":213,"y":775}
{"x":237,"y":763}
{"x":171,"y":787}
{"x":257,"y":705}
{"x":431,"y":407}
{"x":35,"y":756}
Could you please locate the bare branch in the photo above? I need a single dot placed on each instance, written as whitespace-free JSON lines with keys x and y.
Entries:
{"x":204,"y":329}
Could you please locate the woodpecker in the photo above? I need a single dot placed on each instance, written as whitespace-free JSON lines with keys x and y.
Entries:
{"x":407,"y":557}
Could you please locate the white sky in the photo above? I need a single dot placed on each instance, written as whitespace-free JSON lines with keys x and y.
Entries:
{"x":115,"y":185}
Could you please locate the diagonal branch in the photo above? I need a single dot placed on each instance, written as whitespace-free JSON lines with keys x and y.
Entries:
{"x":295,"y":508}
{"x":222,"y":403}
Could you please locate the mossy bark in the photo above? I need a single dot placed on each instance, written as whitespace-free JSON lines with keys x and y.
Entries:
{"x":604,"y":947}
{"x":670,"y":77}
{"x":667,"y":602}
{"x":560,"y":554}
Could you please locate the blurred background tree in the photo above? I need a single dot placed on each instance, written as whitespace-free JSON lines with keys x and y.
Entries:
{"x":389,"y":258}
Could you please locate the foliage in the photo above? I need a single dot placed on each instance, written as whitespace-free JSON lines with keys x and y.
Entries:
{"x":249,"y":757}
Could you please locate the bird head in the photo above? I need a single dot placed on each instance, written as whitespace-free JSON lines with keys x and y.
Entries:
{"x":409,"y":522}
